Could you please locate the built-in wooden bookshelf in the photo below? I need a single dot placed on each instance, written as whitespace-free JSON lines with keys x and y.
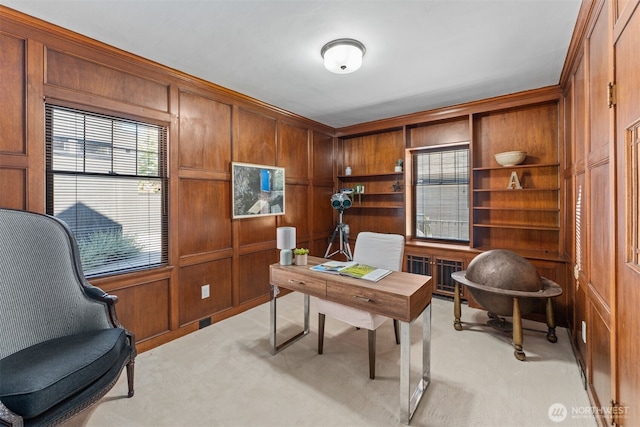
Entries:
{"x":381,"y":191}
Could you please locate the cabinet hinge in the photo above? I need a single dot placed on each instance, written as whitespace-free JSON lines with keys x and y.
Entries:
{"x":611,"y":94}
{"x":618,"y":414}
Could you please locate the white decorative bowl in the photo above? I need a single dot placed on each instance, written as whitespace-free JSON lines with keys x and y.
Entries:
{"x":510,"y":158}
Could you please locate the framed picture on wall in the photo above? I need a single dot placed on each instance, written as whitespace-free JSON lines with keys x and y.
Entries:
{"x":257,"y":190}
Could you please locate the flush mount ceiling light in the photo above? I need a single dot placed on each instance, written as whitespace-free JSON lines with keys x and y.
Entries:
{"x":343,"y":56}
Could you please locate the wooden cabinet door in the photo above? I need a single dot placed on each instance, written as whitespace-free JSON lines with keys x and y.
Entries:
{"x":627,"y":295}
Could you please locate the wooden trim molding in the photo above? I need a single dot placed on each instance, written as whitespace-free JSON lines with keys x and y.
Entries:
{"x":529,"y":97}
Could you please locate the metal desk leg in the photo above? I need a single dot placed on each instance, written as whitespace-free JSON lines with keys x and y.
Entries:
{"x":409,"y":400}
{"x":272,"y":336}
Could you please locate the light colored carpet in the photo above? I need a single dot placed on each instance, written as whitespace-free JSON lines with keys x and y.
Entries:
{"x":224,"y":375}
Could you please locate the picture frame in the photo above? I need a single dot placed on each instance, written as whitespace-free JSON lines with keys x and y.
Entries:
{"x":257,"y":190}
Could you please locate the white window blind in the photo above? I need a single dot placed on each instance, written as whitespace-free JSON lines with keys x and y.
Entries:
{"x":441,"y":191}
{"x":106,"y":178}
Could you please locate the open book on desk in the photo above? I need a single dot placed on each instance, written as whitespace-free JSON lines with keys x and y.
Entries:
{"x":352,"y":269}
{"x":333,"y":266}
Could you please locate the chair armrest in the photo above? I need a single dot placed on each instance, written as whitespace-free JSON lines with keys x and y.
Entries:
{"x":9,"y":418}
{"x":98,"y":294}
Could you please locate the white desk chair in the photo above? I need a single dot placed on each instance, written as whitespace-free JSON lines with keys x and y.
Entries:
{"x":378,"y":250}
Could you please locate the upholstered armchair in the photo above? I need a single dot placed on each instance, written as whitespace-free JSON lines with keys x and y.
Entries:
{"x":61,"y":346}
{"x":378,"y":250}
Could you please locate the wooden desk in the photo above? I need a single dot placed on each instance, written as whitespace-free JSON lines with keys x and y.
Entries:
{"x":401,"y":296}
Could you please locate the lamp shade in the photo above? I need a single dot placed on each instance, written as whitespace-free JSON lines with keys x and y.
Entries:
{"x":343,"y":56}
{"x":286,"y":237}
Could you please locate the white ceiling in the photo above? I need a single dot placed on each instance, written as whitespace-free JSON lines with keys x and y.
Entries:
{"x":420,"y":54}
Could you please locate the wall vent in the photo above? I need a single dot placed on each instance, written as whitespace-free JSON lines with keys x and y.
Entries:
{"x":204,"y":323}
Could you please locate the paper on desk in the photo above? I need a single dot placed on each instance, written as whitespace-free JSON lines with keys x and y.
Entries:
{"x":333,"y":266}
{"x":352,"y":269}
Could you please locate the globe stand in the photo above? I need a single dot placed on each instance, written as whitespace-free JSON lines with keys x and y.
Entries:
{"x":499,"y":323}
{"x":549,"y":291}
{"x":343,"y":247}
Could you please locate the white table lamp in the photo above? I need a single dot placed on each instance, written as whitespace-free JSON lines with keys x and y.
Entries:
{"x":285,"y":241}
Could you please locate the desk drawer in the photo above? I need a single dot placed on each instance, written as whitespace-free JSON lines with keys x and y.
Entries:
{"x":373,"y":300}
{"x":298,"y":282}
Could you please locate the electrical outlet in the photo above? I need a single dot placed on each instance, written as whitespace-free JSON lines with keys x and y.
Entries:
{"x":204,"y":291}
{"x":584,"y":332}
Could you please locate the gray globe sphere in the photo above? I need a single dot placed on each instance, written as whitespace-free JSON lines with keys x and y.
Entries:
{"x":503,"y":269}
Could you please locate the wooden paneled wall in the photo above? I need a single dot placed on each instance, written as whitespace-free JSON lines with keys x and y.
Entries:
{"x":209,"y":127}
{"x":528,"y":222}
{"x":598,"y":175}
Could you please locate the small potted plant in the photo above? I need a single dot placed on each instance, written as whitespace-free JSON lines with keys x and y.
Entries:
{"x":398,"y":167}
{"x":301,"y":256}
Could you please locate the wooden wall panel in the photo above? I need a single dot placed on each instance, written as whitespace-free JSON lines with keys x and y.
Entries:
{"x":255,"y":143}
{"x":72,"y":72}
{"x":568,"y":128}
{"x":293,"y":150}
{"x":144,"y":308}
{"x":599,"y":343}
{"x":598,"y":79}
{"x":13,"y":188}
{"x":216,"y":274}
{"x":297,"y":210}
{"x":323,"y":167}
{"x":205,"y":216}
{"x":599,"y":232}
{"x":512,"y":130}
{"x":253,"y":274}
{"x":439,"y":133}
{"x":253,"y":231}
{"x":12,"y":91}
{"x":579,"y":117}
{"x":205,"y":133}
{"x":381,"y":220}
{"x":620,"y":5}
{"x":373,"y":154}
{"x":580,"y":315}
{"x":323,"y":212}
{"x":323,"y":158}
{"x":256,"y":139}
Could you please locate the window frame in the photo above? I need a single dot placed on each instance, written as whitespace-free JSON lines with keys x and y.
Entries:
{"x":412,"y":152}
{"x":162,"y":176}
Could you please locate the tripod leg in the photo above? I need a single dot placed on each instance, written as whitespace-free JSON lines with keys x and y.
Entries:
{"x":344,"y":245}
{"x":333,"y":237}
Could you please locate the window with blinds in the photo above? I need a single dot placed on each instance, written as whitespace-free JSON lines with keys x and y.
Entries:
{"x":107,"y":179}
{"x":441,"y":193}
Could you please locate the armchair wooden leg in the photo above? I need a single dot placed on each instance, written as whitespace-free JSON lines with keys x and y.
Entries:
{"x":130,"y":366}
{"x":321,"y":317}
{"x":396,"y":330}
{"x":372,"y":354}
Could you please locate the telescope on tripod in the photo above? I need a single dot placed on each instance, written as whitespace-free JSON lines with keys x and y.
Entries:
{"x":340,"y":201}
